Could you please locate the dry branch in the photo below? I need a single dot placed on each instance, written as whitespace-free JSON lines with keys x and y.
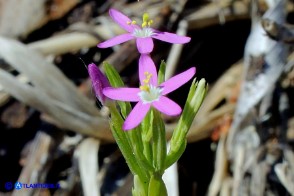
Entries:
{"x":37,"y":165}
{"x":87,"y":153}
{"x":51,"y":93}
{"x":220,"y":167}
{"x":20,"y":17}
{"x":210,"y":14}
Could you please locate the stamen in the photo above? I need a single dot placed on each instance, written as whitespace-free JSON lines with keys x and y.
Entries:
{"x":145,"y":17}
{"x":144,"y":24}
{"x":146,"y":81}
{"x":145,"y":88}
{"x":150,"y":23}
{"x":146,"y":21}
{"x":131,"y":22}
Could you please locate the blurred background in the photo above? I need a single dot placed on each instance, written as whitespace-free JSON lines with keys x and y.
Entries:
{"x":54,"y":130}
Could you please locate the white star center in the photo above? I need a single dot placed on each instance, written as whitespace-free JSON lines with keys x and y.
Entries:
{"x":153,"y":94}
{"x":142,"y":33}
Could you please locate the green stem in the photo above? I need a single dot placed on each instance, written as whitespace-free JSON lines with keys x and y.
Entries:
{"x":138,"y":151}
{"x":123,"y":143}
{"x":140,"y":188}
{"x":156,"y":186}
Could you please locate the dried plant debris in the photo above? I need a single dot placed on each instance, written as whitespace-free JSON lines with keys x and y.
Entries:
{"x":15,"y":115}
{"x":260,"y":159}
{"x":264,"y":64}
{"x":278,"y":32}
{"x":28,"y":15}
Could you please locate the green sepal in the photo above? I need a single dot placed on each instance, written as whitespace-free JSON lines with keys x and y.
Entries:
{"x":147,"y":126}
{"x":159,"y":142}
{"x":146,"y":135}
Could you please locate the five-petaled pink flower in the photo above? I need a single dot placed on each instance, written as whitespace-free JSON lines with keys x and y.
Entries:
{"x":99,"y":81}
{"x":143,"y":34}
{"x":150,"y":93}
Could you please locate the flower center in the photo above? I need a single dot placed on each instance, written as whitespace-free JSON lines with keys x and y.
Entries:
{"x":145,"y":31}
{"x":149,"y":93}
{"x":152,"y":94}
{"x":142,"y":33}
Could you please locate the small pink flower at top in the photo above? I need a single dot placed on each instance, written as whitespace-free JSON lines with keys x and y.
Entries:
{"x":99,"y":81}
{"x":143,"y":34}
{"x":150,"y":93}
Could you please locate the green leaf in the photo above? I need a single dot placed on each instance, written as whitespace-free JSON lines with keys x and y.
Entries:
{"x":161,"y":72}
{"x":116,"y":81}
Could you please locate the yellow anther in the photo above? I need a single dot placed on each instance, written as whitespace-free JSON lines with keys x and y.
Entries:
{"x":147,"y":79}
{"x":145,"y":17}
{"x":146,"y":20}
{"x":150,"y":22}
{"x":144,"y":24}
{"x":131,"y":22}
{"x":144,"y":88}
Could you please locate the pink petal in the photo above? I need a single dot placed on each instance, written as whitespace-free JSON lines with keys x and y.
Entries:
{"x":177,"y":81}
{"x":167,"y":106}
{"x":115,"y":40}
{"x":145,"y":45}
{"x":136,"y":116}
{"x":171,"y":37}
{"x":99,"y":81}
{"x":122,"y":20}
{"x":122,"y":94}
{"x":146,"y":64}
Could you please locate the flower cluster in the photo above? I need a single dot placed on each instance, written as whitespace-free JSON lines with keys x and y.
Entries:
{"x":150,"y":93}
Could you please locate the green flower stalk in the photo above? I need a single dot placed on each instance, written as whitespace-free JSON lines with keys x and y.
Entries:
{"x":178,"y":141}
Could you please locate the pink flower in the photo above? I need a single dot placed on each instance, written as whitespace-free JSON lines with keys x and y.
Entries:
{"x":99,"y":81}
{"x":143,"y":35}
{"x":150,"y":93}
